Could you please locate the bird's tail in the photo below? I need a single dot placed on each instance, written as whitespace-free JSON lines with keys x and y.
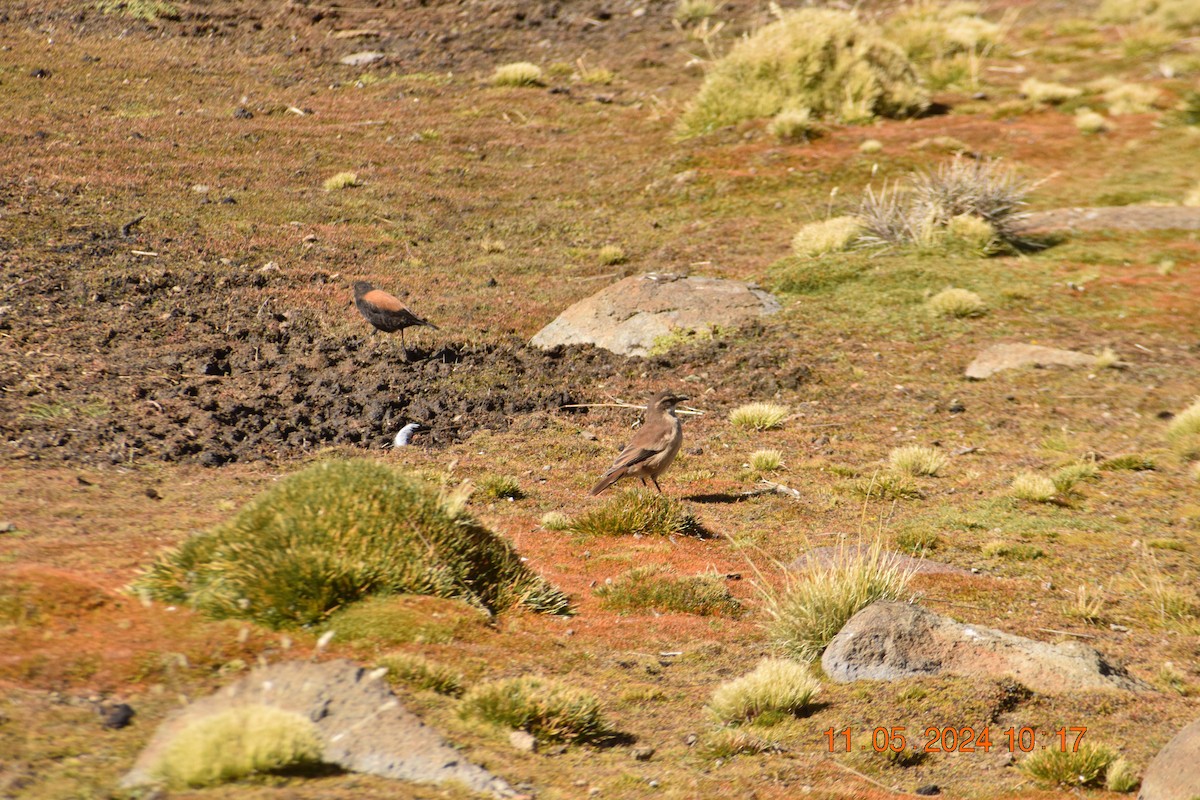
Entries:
{"x":608,"y":480}
{"x":429,"y":325}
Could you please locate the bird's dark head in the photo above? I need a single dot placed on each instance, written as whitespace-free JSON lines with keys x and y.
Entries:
{"x":361,"y":288}
{"x":666,"y":401}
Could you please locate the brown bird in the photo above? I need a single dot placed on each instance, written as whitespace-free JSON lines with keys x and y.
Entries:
{"x":385,"y":311}
{"x":653,"y":448}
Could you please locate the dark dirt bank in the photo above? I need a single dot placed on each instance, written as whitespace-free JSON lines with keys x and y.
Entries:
{"x":177,"y":365}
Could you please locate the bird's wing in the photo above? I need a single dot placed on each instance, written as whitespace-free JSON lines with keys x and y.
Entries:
{"x":650,"y":441}
{"x":383,"y":301}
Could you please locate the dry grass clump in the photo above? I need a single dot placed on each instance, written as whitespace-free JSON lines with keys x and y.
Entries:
{"x":928,"y":31}
{"x":1091,"y":122}
{"x":1128,"y":461}
{"x":970,"y":234}
{"x":1087,"y":605}
{"x":499,"y":487}
{"x":766,"y":460}
{"x":1067,"y":476}
{"x":148,"y":10}
{"x":1084,"y":767}
{"x":794,"y":126}
{"x":957,"y":303}
{"x":726,"y":743}
{"x":421,"y":673}
{"x":960,"y":192}
{"x":635,"y":512}
{"x":830,"y":63}
{"x":1033,"y":487}
{"x":555,"y":521}
{"x":335,"y":533}
{"x":886,"y":486}
{"x":870,"y":146}
{"x":518,"y":73}
{"x":816,"y":605}
{"x":238,"y":742}
{"x":1120,"y":776}
{"x":776,"y":685}
{"x":1048,"y":92}
{"x":1130,"y":98}
{"x":1014,"y":551}
{"x":655,"y":589}
{"x":916,"y":460}
{"x":1183,"y":432}
{"x":758,"y":416}
{"x":826,"y":236}
{"x":343,"y":180}
{"x":610,"y":254}
{"x":548,"y":709}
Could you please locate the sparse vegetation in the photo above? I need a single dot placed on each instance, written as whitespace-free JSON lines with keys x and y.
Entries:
{"x":1048,"y":92}
{"x":917,"y":460}
{"x":636,"y":512}
{"x":1084,"y":767}
{"x":1033,"y":487}
{"x":555,"y":521}
{"x":829,"y":63}
{"x":758,"y":416}
{"x":1013,"y":551}
{"x":550,"y":710}
{"x":1087,"y":605}
{"x":1120,"y":776}
{"x":419,"y":672}
{"x":886,"y":486}
{"x":335,"y":533}
{"x":776,"y":684}
{"x":1091,"y":122}
{"x":610,"y":254}
{"x":238,"y":742}
{"x":148,"y":10}
{"x":1127,"y":461}
{"x":958,"y":303}
{"x":656,"y":589}
{"x":689,"y":12}
{"x":726,"y":743}
{"x":342,"y":180}
{"x":518,"y":73}
{"x":794,"y":126}
{"x":816,"y":604}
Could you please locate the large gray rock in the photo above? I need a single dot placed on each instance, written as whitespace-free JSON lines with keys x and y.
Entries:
{"x":890,"y":641}
{"x":362,"y":725}
{"x":1010,"y":356}
{"x":630,"y":315}
{"x":1174,"y":774}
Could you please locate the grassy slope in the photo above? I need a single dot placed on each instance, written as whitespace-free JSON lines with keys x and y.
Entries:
{"x":448,"y":162}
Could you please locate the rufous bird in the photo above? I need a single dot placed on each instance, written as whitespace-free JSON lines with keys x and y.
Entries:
{"x":386,"y":312}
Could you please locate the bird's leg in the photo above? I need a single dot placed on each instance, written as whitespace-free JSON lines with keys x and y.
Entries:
{"x":404,"y":347}
{"x":656,"y":486}
{"x":642,"y":478}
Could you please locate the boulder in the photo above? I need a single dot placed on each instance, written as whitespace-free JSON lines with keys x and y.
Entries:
{"x":630,"y":315}
{"x":890,"y":641}
{"x":1010,"y":356}
{"x":361,"y":723}
{"x":1174,"y":774}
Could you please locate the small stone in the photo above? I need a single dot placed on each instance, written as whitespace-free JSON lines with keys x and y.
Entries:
{"x":928,"y":790}
{"x":116,"y":716}
{"x":1118,"y":628}
{"x":362,"y":59}
{"x":523,"y":741}
{"x":643,"y":753}
{"x":691,"y":739}
{"x":241,"y":112}
{"x":591,"y":437}
{"x":7,"y":527}
{"x":153,"y":494}
{"x":956,"y":407}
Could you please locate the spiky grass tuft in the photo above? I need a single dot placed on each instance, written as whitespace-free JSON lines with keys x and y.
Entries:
{"x":421,"y":673}
{"x":827,"y":236}
{"x":1091,"y":122}
{"x":550,"y":710}
{"x":916,"y":460}
{"x":1087,"y":605}
{"x":1183,"y":432}
{"x":766,"y":460}
{"x":1068,"y":476}
{"x":957,"y":303}
{"x":1120,"y":776}
{"x":1127,"y":461}
{"x":776,"y":685}
{"x":335,"y":533}
{"x":342,"y":180}
{"x":656,"y":589}
{"x":555,"y":521}
{"x":636,"y":512}
{"x":726,"y":743}
{"x":238,"y":742}
{"x":1013,"y":551}
{"x":499,"y":487}
{"x":148,"y":10}
{"x":759,"y":416}
{"x":831,"y":63}
{"x":610,"y":255}
{"x":1033,"y":487}
{"x":794,"y":126}
{"x":519,"y":73}
{"x":816,"y":605}
{"x":1083,"y":767}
